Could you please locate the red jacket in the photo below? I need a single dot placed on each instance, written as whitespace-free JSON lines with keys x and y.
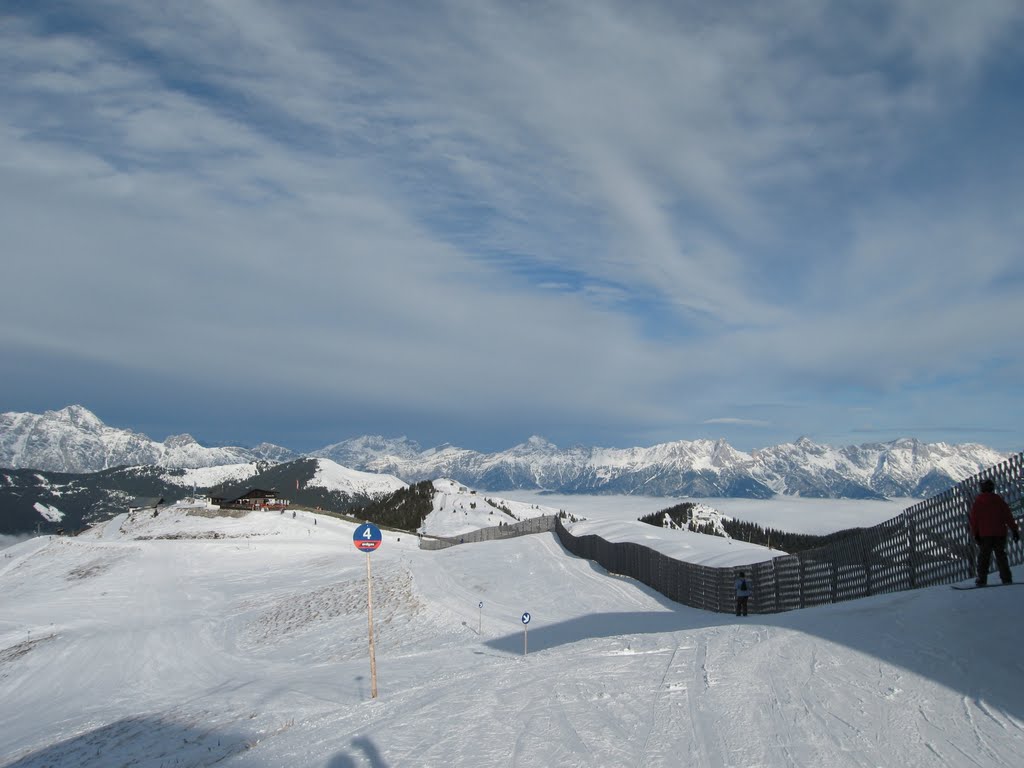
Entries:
{"x":991,"y":516}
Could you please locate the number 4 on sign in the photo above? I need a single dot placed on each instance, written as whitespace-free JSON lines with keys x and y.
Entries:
{"x":367,"y":537}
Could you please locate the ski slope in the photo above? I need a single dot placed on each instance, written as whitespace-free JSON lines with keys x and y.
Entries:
{"x":188,"y":641}
{"x":457,"y":509}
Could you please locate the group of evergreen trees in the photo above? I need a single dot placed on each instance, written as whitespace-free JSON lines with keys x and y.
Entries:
{"x":403,"y":509}
{"x":787,"y":542}
{"x":501,"y":507}
{"x":682,"y":516}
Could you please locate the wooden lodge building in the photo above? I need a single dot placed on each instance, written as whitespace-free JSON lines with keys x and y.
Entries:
{"x":146,"y":503}
{"x":257,"y":498}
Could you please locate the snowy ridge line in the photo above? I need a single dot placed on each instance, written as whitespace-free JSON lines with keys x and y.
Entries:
{"x":927,"y":544}
{"x":542,"y":524}
{"x":75,"y":441}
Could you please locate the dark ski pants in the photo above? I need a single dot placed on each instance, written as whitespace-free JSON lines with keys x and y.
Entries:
{"x":993,"y":545}
{"x":741,"y":605}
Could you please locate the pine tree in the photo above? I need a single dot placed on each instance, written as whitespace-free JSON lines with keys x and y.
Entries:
{"x":403,"y":509}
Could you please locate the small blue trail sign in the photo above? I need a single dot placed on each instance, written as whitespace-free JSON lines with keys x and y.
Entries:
{"x":367,"y":537}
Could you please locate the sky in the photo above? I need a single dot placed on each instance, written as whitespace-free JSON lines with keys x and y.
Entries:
{"x":471,"y":222}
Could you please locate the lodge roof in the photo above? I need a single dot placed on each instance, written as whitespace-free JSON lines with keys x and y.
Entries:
{"x":146,"y":502}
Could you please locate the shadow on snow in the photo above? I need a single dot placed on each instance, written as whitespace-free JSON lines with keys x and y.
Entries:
{"x":162,"y":741}
{"x":140,"y":741}
{"x":964,"y":641}
{"x":369,"y":752}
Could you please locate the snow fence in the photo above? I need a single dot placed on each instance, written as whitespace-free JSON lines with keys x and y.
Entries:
{"x":926,"y":544}
{"x":541,"y":524}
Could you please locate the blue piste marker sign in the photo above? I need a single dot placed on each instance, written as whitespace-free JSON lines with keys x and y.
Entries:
{"x":367,"y":537}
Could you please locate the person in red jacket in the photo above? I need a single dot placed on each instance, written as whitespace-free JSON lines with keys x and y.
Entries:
{"x":990,"y":519}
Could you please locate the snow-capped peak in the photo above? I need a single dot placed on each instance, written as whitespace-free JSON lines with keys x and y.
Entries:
{"x":74,"y":439}
{"x":535,"y":445}
{"x":180,"y":441}
{"x":80,"y":416}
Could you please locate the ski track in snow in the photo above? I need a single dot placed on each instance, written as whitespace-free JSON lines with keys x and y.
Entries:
{"x":121,"y":649}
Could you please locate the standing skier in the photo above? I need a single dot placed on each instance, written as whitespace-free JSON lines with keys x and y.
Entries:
{"x":990,"y":519}
{"x":742,"y":594}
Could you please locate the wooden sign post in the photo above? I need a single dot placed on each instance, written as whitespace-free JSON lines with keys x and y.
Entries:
{"x":367,"y":538}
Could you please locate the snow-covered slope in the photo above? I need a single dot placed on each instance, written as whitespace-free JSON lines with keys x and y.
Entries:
{"x":334,"y":477}
{"x":74,"y":440}
{"x":194,"y":641}
{"x":458,"y":509}
{"x":208,"y":477}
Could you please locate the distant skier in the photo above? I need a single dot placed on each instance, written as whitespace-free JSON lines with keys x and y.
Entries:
{"x":990,"y":519}
{"x":742,"y":594}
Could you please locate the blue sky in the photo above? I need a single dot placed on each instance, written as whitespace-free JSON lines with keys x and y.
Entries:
{"x":606,"y":223}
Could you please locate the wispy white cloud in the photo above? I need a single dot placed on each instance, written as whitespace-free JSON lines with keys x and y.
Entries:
{"x":738,"y":422}
{"x":635,"y":214}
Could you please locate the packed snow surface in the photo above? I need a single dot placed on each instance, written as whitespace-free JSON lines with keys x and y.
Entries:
{"x":192,"y":641}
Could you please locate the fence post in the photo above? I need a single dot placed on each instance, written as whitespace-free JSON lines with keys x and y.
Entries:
{"x":685,"y":588}
{"x":865,"y":557}
{"x":800,"y":578}
{"x":778,"y":594}
{"x":834,"y":586}
{"x":908,"y":524}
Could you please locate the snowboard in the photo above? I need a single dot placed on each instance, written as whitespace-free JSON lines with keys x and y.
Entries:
{"x":987,"y":586}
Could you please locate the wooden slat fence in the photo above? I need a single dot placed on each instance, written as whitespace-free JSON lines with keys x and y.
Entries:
{"x":541,"y":524}
{"x":927,"y":544}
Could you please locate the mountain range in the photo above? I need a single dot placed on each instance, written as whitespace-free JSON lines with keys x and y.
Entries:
{"x":74,"y":440}
{"x":697,"y":468}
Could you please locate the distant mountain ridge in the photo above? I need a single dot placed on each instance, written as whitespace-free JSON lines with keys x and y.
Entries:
{"x":74,"y":440}
{"x":698,"y":468}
